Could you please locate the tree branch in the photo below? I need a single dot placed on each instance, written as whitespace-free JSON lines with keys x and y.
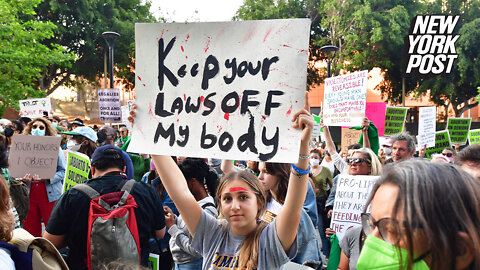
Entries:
{"x":62,"y":81}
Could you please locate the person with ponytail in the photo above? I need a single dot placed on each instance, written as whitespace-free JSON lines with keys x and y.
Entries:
{"x":239,"y":239}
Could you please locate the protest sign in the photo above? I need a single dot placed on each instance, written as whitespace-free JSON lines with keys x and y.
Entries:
{"x":350,"y":198}
{"x":78,"y":168}
{"x":426,"y":127}
{"x":125,"y":113}
{"x":223,"y":90}
{"x":35,"y":107}
{"x":458,"y":129}
{"x":316,"y":127}
{"x":344,"y":99}
{"x":375,"y":112}
{"x":349,"y":136}
{"x":442,"y":140}
{"x":395,"y":120}
{"x":474,"y":136}
{"x":109,"y":105}
{"x":34,"y":155}
{"x":154,"y":261}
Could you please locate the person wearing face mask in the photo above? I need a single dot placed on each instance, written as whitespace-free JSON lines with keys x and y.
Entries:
{"x":43,"y":192}
{"x":411,"y":224}
{"x":82,"y":140}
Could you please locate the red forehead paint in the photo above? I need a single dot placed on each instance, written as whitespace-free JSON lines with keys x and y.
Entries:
{"x":235,"y":189}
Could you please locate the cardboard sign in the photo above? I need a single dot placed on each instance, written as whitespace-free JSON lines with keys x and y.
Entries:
{"x":109,"y":105}
{"x":223,"y":90}
{"x":395,"y":120}
{"x":78,"y":168}
{"x":344,"y":99}
{"x":426,"y":127}
{"x":350,"y":198}
{"x":474,"y":136}
{"x":34,"y":155}
{"x":349,"y":136}
{"x":375,"y":112}
{"x":458,"y":129}
{"x":442,"y":140}
{"x":35,"y":107}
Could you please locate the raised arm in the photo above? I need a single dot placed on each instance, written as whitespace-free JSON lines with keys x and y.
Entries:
{"x":227,"y":166}
{"x":289,"y":217}
{"x":365,"y":126}
{"x":329,"y":145}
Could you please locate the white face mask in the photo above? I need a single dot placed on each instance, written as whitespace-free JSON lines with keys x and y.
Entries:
{"x":314,"y":162}
{"x":73,"y":146}
{"x":387,"y":151}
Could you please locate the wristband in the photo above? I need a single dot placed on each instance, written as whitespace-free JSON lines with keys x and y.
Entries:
{"x":300,"y":171}
{"x":303,"y":157}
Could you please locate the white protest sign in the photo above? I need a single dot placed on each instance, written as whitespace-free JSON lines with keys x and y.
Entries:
{"x":350,"y":197}
{"x":34,"y":155}
{"x":223,"y":90}
{"x":345,"y":99}
{"x":35,"y":107}
{"x":125,"y":113}
{"x":426,"y":127}
{"x":109,"y":105}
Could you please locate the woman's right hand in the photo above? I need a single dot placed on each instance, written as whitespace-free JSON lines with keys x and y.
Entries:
{"x":329,"y":232}
{"x":28,"y":177}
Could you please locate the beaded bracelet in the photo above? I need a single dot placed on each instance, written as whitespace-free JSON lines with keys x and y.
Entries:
{"x":300,"y":171}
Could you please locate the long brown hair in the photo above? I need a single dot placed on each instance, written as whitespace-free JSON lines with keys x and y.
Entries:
{"x":6,"y":217}
{"x":282,"y":172}
{"x":248,"y":256}
{"x":442,"y":200}
{"x":49,"y":128}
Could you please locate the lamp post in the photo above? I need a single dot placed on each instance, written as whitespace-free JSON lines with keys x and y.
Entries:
{"x":110,"y":38}
{"x":329,"y":50}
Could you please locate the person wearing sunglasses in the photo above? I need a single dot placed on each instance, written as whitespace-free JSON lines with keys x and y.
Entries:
{"x":449,"y":153}
{"x":43,"y":192}
{"x":422,"y":215}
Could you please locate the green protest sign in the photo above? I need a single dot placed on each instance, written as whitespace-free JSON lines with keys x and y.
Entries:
{"x":154,"y":261}
{"x":78,"y":168}
{"x":458,"y":129}
{"x":316,"y":127}
{"x":474,"y":136}
{"x":394,"y":120}
{"x":442,"y":140}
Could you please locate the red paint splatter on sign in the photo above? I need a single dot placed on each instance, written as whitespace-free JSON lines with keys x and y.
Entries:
{"x":144,"y":85}
{"x":139,"y":78}
{"x":264,"y":117}
{"x":178,"y":120}
{"x":188,"y":36}
{"x":268,"y":33}
{"x":181,"y":47}
{"x":202,"y":99}
{"x":208,"y":44}
{"x":226,"y":116}
{"x":289,"y":111}
{"x":184,"y":97}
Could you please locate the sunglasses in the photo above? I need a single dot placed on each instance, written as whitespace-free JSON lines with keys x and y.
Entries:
{"x":447,"y":154}
{"x":38,"y":127}
{"x":358,"y":161}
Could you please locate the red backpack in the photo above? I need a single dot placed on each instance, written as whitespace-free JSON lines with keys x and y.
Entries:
{"x":112,"y":227}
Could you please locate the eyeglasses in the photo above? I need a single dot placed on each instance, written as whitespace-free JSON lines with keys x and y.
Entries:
{"x":38,"y":126}
{"x":449,"y":154}
{"x":358,"y":161}
{"x":388,"y":228}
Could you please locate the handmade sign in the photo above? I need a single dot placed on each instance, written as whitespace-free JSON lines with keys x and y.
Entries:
{"x":154,"y":261}
{"x":458,"y":129}
{"x":375,"y":112}
{"x":442,"y":140}
{"x":350,"y":198}
{"x":474,"y":136}
{"x":426,"y":127}
{"x":34,"y":155}
{"x":221,"y":90}
{"x":109,"y":105}
{"x":349,"y":136}
{"x":125,"y":113}
{"x":78,"y":168}
{"x":35,"y":107}
{"x":344,"y":99}
{"x":395,"y":120}
{"x":316,"y":128}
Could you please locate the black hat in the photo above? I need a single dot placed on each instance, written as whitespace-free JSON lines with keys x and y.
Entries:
{"x":78,"y":121}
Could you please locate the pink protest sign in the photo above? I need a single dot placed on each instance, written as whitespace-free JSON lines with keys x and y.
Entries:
{"x":375,"y":111}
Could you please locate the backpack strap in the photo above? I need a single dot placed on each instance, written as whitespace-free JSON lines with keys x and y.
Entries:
{"x":87,"y":190}
{"x":208,"y":204}
{"x":128,"y":185}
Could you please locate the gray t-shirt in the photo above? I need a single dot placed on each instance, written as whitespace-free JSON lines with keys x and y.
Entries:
{"x":220,"y":247}
{"x":350,"y":245}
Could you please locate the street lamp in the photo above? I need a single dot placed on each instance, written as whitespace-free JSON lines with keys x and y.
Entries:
{"x":329,"y":50}
{"x":110,"y":38}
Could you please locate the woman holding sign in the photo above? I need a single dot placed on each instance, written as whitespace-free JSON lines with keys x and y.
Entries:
{"x":240,"y":239}
{"x":422,"y":215}
{"x":43,"y":192}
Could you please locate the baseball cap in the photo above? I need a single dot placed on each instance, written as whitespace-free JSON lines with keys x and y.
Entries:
{"x":78,"y":121}
{"x":86,"y":132}
{"x":105,"y":152}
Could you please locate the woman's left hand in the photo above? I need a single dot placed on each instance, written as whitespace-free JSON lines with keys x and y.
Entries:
{"x":304,"y":120}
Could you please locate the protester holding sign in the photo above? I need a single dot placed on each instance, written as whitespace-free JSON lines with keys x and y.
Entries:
{"x":244,"y":241}
{"x":43,"y":192}
{"x":412,"y":225}
{"x":83,"y":140}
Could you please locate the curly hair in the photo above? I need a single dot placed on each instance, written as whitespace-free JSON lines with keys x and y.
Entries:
{"x":50,"y":130}
{"x":6,"y":217}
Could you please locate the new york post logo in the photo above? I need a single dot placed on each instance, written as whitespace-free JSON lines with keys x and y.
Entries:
{"x":430,"y":44}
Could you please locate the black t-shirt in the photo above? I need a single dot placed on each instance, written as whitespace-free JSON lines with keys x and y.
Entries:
{"x":70,"y":216}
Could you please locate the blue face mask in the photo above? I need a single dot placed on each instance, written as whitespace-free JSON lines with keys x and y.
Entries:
{"x":37,"y":132}
{"x":55,"y":124}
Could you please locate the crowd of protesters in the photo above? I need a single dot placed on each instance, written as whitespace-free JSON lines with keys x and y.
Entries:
{"x":200,"y":213}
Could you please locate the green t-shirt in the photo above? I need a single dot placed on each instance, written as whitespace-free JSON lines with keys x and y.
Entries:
{"x":321,"y":181}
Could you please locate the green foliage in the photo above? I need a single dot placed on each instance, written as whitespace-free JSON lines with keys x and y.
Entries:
{"x":22,"y":55}
{"x":80,"y":25}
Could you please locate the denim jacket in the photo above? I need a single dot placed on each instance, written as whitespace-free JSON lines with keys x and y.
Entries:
{"x":54,"y":186}
{"x":310,"y":204}
{"x":308,"y":250}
